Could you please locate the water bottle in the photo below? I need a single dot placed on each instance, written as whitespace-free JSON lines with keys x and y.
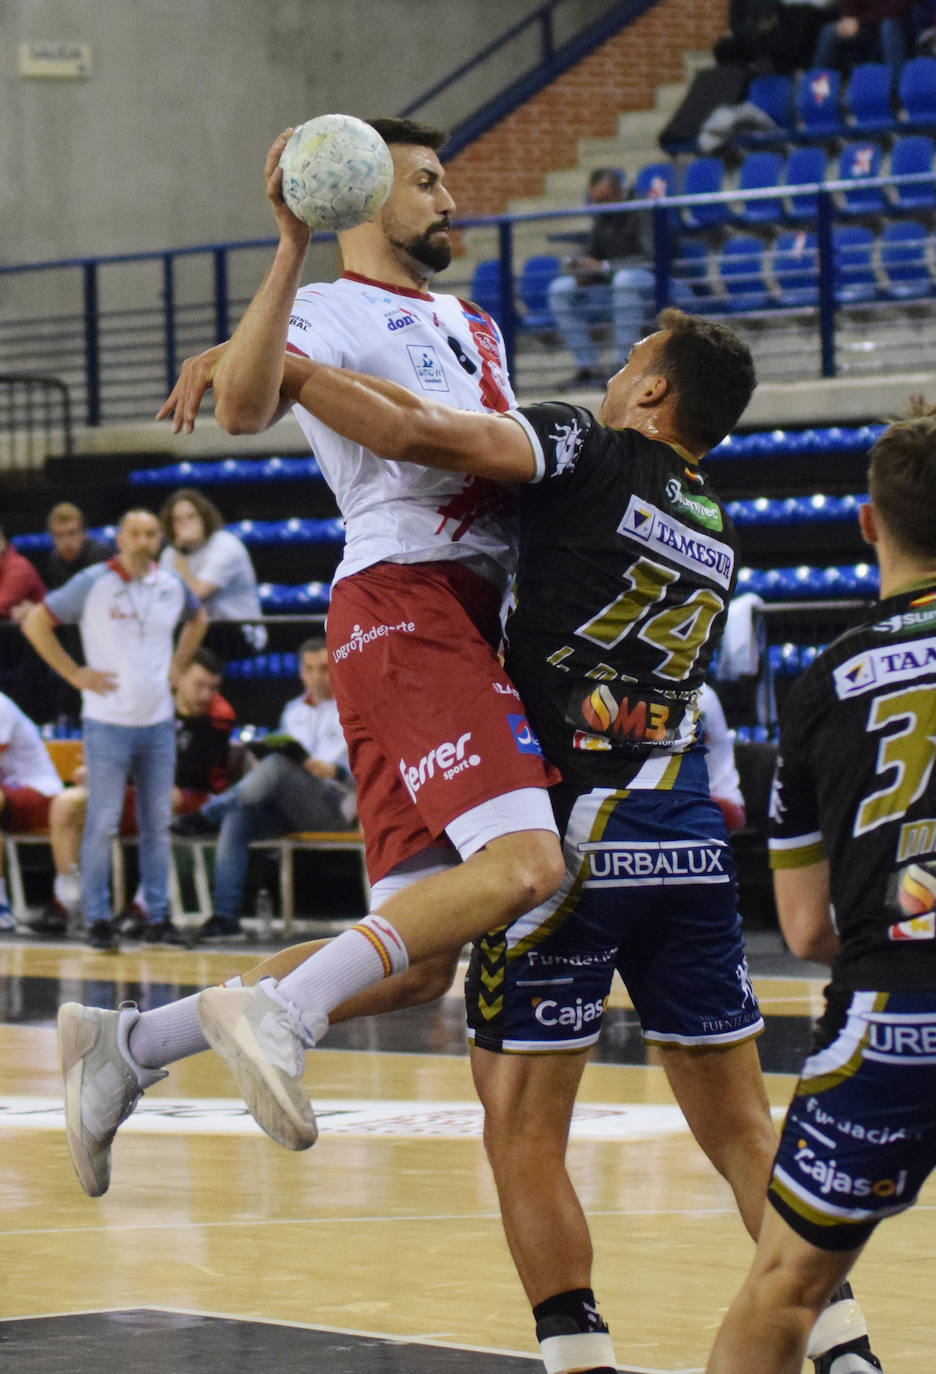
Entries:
{"x":265,"y":914}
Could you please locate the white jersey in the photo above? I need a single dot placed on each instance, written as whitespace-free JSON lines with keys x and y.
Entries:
{"x":24,"y":759}
{"x":433,"y":344}
{"x":127,"y":625}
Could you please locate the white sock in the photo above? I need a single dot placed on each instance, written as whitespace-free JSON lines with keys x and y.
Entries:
{"x":356,"y":959}
{"x":578,"y":1350}
{"x":67,"y":889}
{"x":837,"y":1324}
{"x":140,"y":901}
{"x":165,"y":1034}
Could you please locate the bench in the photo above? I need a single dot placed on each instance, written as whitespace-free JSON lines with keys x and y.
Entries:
{"x":286,"y":847}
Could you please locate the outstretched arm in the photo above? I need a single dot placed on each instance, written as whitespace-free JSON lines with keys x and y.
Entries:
{"x":246,"y":371}
{"x":247,"y":378}
{"x":396,"y":424}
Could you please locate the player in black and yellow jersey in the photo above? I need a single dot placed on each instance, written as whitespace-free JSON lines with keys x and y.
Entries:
{"x":853,"y":832}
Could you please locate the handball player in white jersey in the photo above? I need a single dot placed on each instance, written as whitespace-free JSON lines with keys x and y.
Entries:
{"x":446,"y":764}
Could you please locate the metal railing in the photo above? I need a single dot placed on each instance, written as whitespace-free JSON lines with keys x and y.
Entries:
{"x":35,"y":420}
{"x":112,"y":330}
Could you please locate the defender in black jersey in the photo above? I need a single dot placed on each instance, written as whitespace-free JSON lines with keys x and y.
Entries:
{"x":853,"y":847}
{"x":627,"y":563}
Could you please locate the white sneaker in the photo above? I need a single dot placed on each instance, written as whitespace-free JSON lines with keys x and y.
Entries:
{"x":102,"y":1085}
{"x":264,"y":1041}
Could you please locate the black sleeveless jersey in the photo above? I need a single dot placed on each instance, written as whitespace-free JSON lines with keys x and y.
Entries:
{"x":627,"y":561}
{"x":855,"y":783}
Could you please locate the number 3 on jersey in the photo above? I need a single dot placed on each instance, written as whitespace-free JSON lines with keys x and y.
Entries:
{"x":678,"y":631}
{"x":909,"y":752}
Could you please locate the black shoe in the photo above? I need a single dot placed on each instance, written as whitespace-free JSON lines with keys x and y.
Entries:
{"x":53,"y":922}
{"x":193,"y":826}
{"x":162,"y":933}
{"x":131,"y":924}
{"x":855,"y":1357}
{"x":101,"y":936}
{"x":852,"y":1356}
{"x":219,"y":928}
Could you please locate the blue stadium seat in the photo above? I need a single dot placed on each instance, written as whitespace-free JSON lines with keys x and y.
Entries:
{"x":741,"y":268}
{"x":758,"y":171}
{"x":817,"y":103}
{"x":533,"y":289}
{"x":916,"y":93}
{"x":805,"y":166}
{"x":485,"y":286}
{"x":913,"y":153}
{"x":702,"y":176}
{"x":689,"y":267}
{"x":654,"y":180}
{"x":774,"y":95}
{"x":796,"y":268}
{"x":853,"y":267}
{"x":856,"y":161}
{"x":868,"y":99}
{"x":904,"y":259}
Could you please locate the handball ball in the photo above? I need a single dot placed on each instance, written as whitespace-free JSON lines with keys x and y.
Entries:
{"x":337,"y":172}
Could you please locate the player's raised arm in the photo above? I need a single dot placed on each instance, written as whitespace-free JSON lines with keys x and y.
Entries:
{"x":396,"y":424}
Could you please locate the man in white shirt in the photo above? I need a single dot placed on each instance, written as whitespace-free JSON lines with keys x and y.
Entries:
{"x":28,"y":782}
{"x":301,"y":784}
{"x":127,"y":610}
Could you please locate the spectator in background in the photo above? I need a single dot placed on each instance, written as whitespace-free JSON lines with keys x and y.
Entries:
{"x":206,"y":762}
{"x":866,"y":30}
{"x":128,"y":610}
{"x":613,"y":277}
{"x":772,"y":36}
{"x":214,"y":564}
{"x":21,"y":587}
{"x":73,"y":548}
{"x":28,"y":784}
{"x":301,"y":782}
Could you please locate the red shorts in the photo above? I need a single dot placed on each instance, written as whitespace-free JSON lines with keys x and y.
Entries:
{"x":434,"y":726}
{"x":26,"y":810}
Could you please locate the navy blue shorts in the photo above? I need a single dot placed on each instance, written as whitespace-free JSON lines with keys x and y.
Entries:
{"x":859,"y":1139}
{"x":650,"y":891}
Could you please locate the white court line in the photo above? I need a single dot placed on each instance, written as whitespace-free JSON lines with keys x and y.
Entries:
{"x":354,"y":1220}
{"x":353,"y":1116}
{"x":396,"y":1339}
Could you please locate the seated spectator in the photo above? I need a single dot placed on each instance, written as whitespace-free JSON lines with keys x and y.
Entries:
{"x":21,"y":587}
{"x":72,"y":546}
{"x":866,"y":30}
{"x":300,"y":782}
{"x":724,"y":783}
{"x":28,"y":785}
{"x":206,"y":762}
{"x":613,"y":277}
{"x":214,"y":563}
{"x":772,"y":36}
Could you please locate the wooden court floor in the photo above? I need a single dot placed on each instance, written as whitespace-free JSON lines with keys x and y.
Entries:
{"x":381,"y":1248}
